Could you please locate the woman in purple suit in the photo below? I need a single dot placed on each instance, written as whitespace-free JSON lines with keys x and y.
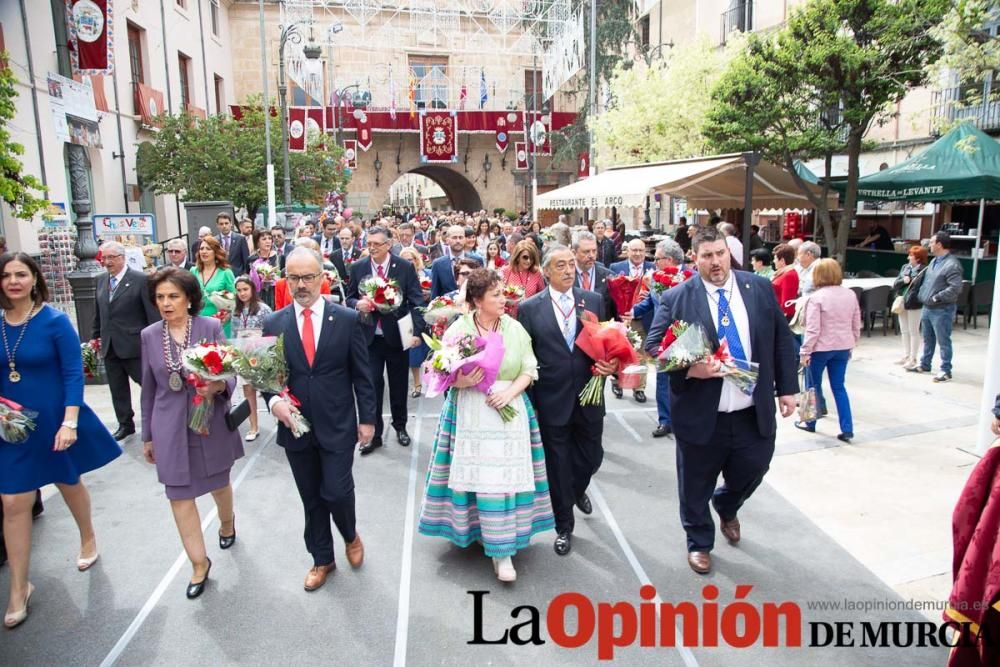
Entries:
{"x":188,"y":464}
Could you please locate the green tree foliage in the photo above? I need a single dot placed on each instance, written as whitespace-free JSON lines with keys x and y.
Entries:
{"x":15,"y":186}
{"x":222,"y":158}
{"x":647,"y":120}
{"x":835,"y":69}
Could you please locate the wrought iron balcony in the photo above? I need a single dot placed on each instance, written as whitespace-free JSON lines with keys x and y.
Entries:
{"x":953,"y":104}
{"x":738,"y":18}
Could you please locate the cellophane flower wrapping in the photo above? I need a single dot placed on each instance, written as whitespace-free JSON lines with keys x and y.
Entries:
{"x":16,"y":421}
{"x":264,"y":272}
{"x":439,"y":314}
{"x":607,"y":342}
{"x":90,"y":355}
{"x":224,"y":300}
{"x":740,"y":372}
{"x":384,"y":293}
{"x":683,"y":345}
{"x":261,"y":363}
{"x":332,"y":277}
{"x":204,"y":363}
{"x":514,"y":294}
{"x":624,"y":291}
{"x":465,"y":353}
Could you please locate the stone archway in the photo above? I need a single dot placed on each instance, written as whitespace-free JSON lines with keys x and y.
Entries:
{"x":461,"y":193}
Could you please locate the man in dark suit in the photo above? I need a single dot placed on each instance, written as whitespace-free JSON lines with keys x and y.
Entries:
{"x":605,"y":246}
{"x":234,"y":244}
{"x":123,"y":311}
{"x":281,"y":246}
{"x":386,"y":352}
{"x":176,"y":255}
{"x":571,"y":433}
{"x":589,"y":274}
{"x":443,"y":268}
{"x":719,"y":429}
{"x":404,"y":239}
{"x":636,"y":265}
{"x":346,"y":254}
{"x":329,"y":376}
{"x":441,"y":247}
{"x":327,"y":239}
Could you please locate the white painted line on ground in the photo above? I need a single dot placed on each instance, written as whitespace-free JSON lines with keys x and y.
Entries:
{"x":686,"y":655}
{"x":116,"y":651}
{"x":406,"y":569}
{"x":631,"y":431}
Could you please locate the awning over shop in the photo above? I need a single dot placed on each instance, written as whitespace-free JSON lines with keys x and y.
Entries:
{"x":711,"y":182}
{"x":963,"y":164}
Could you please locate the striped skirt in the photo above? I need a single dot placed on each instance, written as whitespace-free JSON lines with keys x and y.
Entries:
{"x":502,"y":523}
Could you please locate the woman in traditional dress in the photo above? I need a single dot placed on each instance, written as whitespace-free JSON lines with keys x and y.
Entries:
{"x":188,"y":464}
{"x":214,"y":275}
{"x":44,"y":373}
{"x":524,"y":270}
{"x":486,"y":482}
{"x":248,"y":322}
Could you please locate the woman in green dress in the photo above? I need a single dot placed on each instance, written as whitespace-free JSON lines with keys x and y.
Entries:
{"x":214,"y":275}
{"x":486,"y":481}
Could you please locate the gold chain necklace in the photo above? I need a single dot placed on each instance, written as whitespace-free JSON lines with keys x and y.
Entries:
{"x":14,"y":375}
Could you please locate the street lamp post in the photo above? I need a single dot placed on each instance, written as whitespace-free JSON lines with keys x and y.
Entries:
{"x":289,"y":33}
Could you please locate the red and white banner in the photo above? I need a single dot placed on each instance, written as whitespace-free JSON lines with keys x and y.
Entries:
{"x":438,"y":136}
{"x":297,"y":129}
{"x":89,"y":28}
{"x":583,"y":165}
{"x":351,"y":153}
{"x":543,"y":126}
{"x":503,"y":137}
{"x":315,"y":125}
{"x":520,"y":155}
{"x":150,"y":104}
{"x":364,"y":126}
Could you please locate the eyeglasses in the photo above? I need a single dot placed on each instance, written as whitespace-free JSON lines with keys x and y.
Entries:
{"x":107,"y":256}
{"x":307,"y":278}
{"x":175,"y":251}
{"x":377,"y":244}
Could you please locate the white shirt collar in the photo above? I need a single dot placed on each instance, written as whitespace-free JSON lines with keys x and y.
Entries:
{"x":729,"y":286}
{"x":121,"y":274}
{"x":316,"y":308}
{"x":384,"y":265}
{"x":556,"y":294}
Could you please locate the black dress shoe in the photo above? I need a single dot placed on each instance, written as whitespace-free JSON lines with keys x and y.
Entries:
{"x":196,"y":589}
{"x":662,"y":430}
{"x":563,"y":543}
{"x":365,"y":450}
{"x":639,"y":395}
{"x":123,"y":432}
{"x":617,"y":391}
{"x":226,"y":541}
{"x":403,"y":437}
{"x":845,"y":437}
{"x":583,"y":503}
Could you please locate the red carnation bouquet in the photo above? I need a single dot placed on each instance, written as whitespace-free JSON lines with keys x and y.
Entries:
{"x":664,"y":279}
{"x":439,"y":314}
{"x":514,"y":294}
{"x":608,"y":342}
{"x":624,"y":291}
{"x":206,"y":362}
{"x":383,"y":293}
{"x":686,"y":344}
{"x":90,"y":352}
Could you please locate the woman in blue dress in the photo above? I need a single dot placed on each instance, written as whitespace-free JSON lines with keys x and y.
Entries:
{"x":43,"y":371}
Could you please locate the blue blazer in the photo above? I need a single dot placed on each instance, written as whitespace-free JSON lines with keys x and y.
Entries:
{"x":645,"y":310}
{"x":413,"y":299}
{"x":622,"y":268}
{"x":694,"y":403}
{"x":443,"y":274}
{"x":337,"y":393}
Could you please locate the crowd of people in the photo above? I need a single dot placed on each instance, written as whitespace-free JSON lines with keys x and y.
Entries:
{"x":492,"y":480}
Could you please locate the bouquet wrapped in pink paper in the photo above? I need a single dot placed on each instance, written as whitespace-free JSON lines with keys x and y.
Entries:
{"x":465,"y":353}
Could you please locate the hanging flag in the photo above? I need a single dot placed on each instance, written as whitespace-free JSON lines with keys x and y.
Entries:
{"x":583,"y":165}
{"x":463,"y":94}
{"x":412,"y":95}
{"x":502,"y":137}
{"x":297,"y":129}
{"x":351,"y":153}
{"x":439,"y":136}
{"x":483,"y":96}
{"x":364,"y":125}
{"x":315,"y":126}
{"x":520,"y":155}
{"x":392,"y":96}
{"x":90,"y":36}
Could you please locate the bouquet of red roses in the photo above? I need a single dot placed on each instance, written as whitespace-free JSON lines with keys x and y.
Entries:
{"x":664,"y":279}
{"x":90,"y":352}
{"x":383,"y":293}
{"x":206,"y":362}
{"x":603,"y":341}
{"x":624,"y":291}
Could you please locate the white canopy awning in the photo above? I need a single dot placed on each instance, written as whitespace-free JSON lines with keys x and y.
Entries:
{"x":711,"y":183}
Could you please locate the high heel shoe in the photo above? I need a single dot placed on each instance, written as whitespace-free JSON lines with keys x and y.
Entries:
{"x":84,"y":564}
{"x":504,"y":569}
{"x":16,"y":618}
{"x":226,"y":541}
{"x":196,"y":589}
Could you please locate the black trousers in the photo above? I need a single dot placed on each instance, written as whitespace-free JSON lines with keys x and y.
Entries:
{"x":573,"y":453}
{"x":325,"y":481}
{"x":386,"y":360}
{"x":740,"y":454}
{"x":119,"y":371}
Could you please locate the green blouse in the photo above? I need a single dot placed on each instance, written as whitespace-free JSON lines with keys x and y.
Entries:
{"x":222,"y":280}
{"x":518,"y":358}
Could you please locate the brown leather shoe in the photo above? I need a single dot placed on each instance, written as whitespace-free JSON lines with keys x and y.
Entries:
{"x":356,"y":552}
{"x":731,"y":529}
{"x":700,"y":561}
{"x":316,"y":577}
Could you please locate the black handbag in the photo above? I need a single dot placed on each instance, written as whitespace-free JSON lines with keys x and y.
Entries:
{"x":238,"y":415}
{"x":911,"y":298}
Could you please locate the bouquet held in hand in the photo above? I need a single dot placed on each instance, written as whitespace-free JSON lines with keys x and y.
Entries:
{"x":261,"y":363}
{"x":664,"y":279}
{"x":265,"y":273}
{"x":465,"y":353}
{"x":624,"y":291}
{"x":207,"y":362}
{"x":15,"y":421}
{"x":608,"y":342}
{"x":740,"y":372}
{"x":383,"y":293}
{"x":686,"y":344}
{"x":90,"y":353}
{"x":514,"y":294}
{"x":439,"y":314}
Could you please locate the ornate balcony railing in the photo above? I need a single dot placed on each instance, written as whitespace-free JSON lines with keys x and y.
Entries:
{"x":738,"y":18}
{"x":953,"y":104}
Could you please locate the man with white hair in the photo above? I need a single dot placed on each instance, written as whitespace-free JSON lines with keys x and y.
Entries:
{"x":177,"y":255}
{"x":807,"y":255}
{"x":202,"y":233}
{"x":123,"y":311}
{"x":734,"y":244}
{"x":635,"y":266}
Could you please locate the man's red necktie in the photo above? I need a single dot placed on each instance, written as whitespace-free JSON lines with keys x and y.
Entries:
{"x":308,"y":337}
